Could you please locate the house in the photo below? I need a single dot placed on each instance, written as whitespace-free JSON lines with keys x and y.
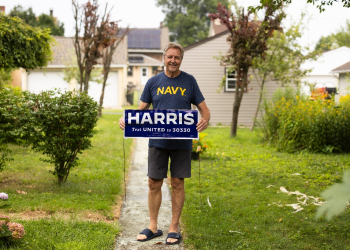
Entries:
{"x":344,"y":78}
{"x":201,"y":62}
{"x":322,"y":74}
{"x":51,"y":77}
{"x":145,"y":52}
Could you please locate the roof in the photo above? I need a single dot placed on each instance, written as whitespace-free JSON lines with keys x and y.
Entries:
{"x":327,"y":61}
{"x":64,"y":52}
{"x":206,"y":40}
{"x":148,"y":38}
{"x":343,"y":68}
{"x":140,"y":59}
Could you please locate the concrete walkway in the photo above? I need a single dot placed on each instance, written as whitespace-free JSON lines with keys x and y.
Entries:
{"x":134,"y":214}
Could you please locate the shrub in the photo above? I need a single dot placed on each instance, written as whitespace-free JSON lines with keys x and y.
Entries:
{"x":8,"y":99}
{"x":297,"y":123}
{"x":58,"y":124}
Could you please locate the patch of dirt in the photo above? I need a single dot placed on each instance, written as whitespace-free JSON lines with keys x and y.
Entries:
{"x":82,"y":216}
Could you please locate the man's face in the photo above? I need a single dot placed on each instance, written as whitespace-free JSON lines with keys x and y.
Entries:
{"x":172,"y":60}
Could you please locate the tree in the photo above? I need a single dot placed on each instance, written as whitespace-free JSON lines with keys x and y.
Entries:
{"x":23,"y":45}
{"x":95,"y":37}
{"x":47,"y":21}
{"x":282,"y":61}
{"x":43,"y":21}
{"x":247,"y":41}
{"x":28,"y":16}
{"x":276,"y":4}
{"x":71,"y":72}
{"x":335,"y":40}
{"x":116,"y":36}
{"x":187,"y":20}
{"x":326,"y":43}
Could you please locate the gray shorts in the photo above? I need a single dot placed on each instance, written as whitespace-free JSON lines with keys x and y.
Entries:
{"x":158,"y":160}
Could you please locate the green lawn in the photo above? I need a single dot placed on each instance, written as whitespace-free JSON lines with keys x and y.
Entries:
{"x":235,"y":176}
{"x":81,"y":213}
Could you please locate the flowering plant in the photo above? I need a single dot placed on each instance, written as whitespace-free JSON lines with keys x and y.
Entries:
{"x":3,"y":197}
{"x":9,"y":230}
{"x":200,"y":146}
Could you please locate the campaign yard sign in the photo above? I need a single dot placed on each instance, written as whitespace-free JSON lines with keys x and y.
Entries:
{"x":161,"y":124}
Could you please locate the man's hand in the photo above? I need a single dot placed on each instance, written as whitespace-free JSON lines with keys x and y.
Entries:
{"x":201,"y":125}
{"x":205,"y":113}
{"x":122,"y":123}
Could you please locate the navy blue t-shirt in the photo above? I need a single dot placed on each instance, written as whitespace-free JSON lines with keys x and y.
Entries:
{"x":172,"y":93}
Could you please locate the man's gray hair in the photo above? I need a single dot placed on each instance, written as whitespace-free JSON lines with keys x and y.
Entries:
{"x":176,"y":46}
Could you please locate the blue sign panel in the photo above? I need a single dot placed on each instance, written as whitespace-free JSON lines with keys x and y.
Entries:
{"x":161,"y":124}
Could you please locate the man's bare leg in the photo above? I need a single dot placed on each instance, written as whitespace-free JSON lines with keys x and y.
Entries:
{"x":178,"y":200}
{"x":154,"y":202}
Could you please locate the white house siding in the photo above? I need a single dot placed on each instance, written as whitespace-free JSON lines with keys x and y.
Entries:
{"x":199,"y":61}
{"x":344,"y":84}
{"x":321,"y":68}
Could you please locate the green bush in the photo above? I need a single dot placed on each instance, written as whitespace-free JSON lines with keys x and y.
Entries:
{"x":8,"y":97}
{"x":58,"y":124}
{"x":295,"y":123}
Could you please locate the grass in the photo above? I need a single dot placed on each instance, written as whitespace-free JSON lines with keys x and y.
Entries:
{"x":235,"y":175}
{"x":84,"y":207}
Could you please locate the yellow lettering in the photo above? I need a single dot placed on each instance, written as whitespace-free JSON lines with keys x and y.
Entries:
{"x":182,"y":91}
{"x":161,"y":91}
{"x":168,"y":90}
{"x":174,"y":91}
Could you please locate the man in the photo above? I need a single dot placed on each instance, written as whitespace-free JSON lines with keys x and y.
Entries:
{"x":171,"y":89}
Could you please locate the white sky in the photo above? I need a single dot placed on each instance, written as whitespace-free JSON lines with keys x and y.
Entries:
{"x":145,"y":14}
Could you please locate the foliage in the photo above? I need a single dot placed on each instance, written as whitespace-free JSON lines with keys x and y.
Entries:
{"x":9,"y":230}
{"x":242,"y":184}
{"x":8,"y":97}
{"x":71,"y":72}
{"x":203,"y":145}
{"x":5,"y":77}
{"x":116,"y":36}
{"x":279,"y":3}
{"x":91,"y":193}
{"x":90,"y":40}
{"x":337,"y":196}
{"x":22,"y":45}
{"x":283,"y":60}
{"x":335,"y":40}
{"x":187,"y":20}
{"x":43,"y":21}
{"x":326,"y":43}
{"x":247,"y":41}
{"x":57,"y":124}
{"x":295,"y":123}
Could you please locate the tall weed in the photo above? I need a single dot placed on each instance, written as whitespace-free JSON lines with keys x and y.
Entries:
{"x":292,"y":122}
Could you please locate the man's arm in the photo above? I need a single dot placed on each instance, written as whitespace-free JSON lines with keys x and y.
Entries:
{"x":143,"y":106}
{"x":205,"y":113}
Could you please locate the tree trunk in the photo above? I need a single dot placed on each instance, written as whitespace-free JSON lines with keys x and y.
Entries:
{"x":105,"y":76}
{"x":258,"y":107}
{"x":237,"y":103}
{"x":86,"y":81}
{"x":101,"y":99}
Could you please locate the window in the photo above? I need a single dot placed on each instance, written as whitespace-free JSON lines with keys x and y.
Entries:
{"x":230,"y":84}
{"x":144,"y":72}
{"x":130,"y":70}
